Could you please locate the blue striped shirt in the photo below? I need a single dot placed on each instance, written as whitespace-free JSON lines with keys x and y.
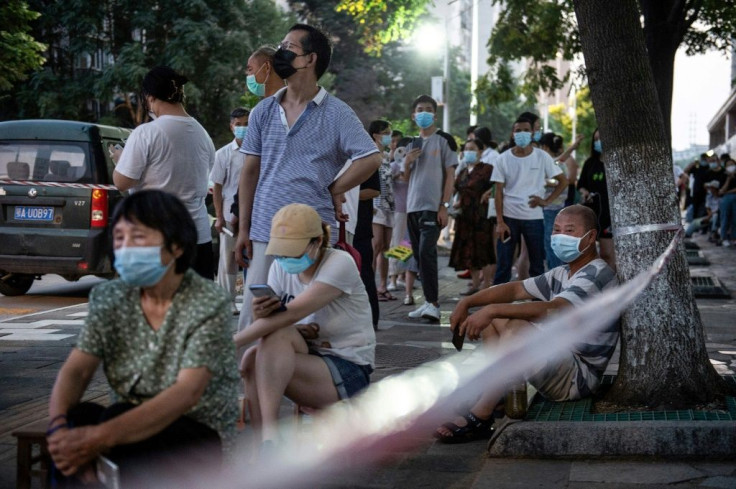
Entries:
{"x":299,"y":163}
{"x":593,"y":355}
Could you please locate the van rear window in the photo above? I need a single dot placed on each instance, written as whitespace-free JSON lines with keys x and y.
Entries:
{"x":45,"y":161}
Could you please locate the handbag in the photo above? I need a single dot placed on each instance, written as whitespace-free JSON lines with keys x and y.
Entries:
{"x":343,"y":245}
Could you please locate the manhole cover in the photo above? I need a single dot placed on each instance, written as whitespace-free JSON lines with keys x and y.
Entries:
{"x":709,"y":287}
{"x":403,"y":356}
{"x":695,"y":257}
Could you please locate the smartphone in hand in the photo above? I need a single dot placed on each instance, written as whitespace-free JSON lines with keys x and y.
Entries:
{"x":417,"y":143}
{"x":457,"y":339}
{"x":264,"y":290}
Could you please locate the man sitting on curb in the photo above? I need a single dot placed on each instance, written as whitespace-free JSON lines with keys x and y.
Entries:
{"x":572,"y":377}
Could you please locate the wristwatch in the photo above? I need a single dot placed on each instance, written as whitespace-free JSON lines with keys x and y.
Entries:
{"x":446,"y":205}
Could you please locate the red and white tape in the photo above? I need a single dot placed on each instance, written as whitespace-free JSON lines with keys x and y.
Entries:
{"x":30,"y":183}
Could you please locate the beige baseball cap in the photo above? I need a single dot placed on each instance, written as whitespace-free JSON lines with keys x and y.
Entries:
{"x":292,"y":228}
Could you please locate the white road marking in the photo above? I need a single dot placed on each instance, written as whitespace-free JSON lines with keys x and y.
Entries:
{"x":42,"y":323}
{"x":40,"y":312}
{"x":33,"y":335}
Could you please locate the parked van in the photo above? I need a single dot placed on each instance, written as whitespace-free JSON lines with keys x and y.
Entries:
{"x":56,"y":196}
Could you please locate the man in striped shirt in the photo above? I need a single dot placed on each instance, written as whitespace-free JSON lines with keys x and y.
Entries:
{"x":585,"y":274}
{"x":297,"y":142}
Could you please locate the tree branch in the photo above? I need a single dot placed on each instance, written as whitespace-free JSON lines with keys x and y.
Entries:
{"x":696,"y":6}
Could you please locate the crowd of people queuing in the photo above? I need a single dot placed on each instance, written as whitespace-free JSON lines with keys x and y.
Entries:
{"x":710,"y":199}
{"x":300,"y":166}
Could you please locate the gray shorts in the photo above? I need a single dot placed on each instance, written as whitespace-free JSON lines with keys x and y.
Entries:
{"x":557,"y":380}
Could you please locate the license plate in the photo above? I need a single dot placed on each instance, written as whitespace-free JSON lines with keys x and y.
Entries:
{"x":32,"y":213}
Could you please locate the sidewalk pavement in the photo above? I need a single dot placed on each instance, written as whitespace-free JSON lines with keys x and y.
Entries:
{"x":404,"y":343}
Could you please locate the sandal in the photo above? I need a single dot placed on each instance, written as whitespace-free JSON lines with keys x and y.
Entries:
{"x":475,"y":429}
{"x":469,"y":291}
{"x":409,"y":300}
{"x":385,"y":296}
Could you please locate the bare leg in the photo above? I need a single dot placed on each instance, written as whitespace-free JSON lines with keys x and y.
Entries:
{"x":475,"y":279}
{"x":284,"y":366}
{"x":382,"y":260}
{"x":488,"y":272}
{"x":410,"y":277}
{"x":522,"y":264}
{"x":377,"y":243}
{"x":248,"y":372}
{"x":497,"y":332}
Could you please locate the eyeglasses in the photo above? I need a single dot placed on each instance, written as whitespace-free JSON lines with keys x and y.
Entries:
{"x":288,"y":44}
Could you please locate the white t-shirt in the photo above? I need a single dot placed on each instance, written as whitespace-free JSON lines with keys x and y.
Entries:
{"x":345,"y":324}
{"x":349,"y":207}
{"x":489,"y":156}
{"x":226,"y":172}
{"x":173,"y":154}
{"x":523,"y":177}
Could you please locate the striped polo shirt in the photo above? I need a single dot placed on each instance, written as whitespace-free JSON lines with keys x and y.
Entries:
{"x":593,"y":355}
{"x":299,"y":163}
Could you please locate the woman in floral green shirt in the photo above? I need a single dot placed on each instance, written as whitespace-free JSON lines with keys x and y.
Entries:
{"x":162,"y":334}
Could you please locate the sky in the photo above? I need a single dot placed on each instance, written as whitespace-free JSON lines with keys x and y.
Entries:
{"x":701,"y":86}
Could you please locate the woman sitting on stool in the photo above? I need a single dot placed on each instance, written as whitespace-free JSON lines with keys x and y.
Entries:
{"x":162,"y":333}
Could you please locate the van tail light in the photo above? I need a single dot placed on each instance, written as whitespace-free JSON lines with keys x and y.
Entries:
{"x":98,"y":214}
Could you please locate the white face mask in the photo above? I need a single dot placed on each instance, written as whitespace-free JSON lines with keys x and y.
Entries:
{"x":731,"y":169}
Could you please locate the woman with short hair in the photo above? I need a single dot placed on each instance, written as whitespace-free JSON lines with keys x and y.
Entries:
{"x":162,"y":334}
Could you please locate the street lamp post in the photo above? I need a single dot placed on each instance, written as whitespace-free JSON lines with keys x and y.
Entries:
{"x":446,"y":73}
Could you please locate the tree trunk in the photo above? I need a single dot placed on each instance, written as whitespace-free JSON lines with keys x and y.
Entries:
{"x":665,"y":25}
{"x":664,"y":362}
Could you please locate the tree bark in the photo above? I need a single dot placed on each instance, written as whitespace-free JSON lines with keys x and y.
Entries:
{"x":664,"y":361}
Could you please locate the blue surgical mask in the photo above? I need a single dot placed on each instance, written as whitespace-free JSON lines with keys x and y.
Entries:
{"x":567,"y":247}
{"x":470,"y":157}
{"x":140,"y":266}
{"x":254,"y":87}
{"x":714,"y":166}
{"x":523,"y":139}
{"x":537,"y":136}
{"x":386,"y":139}
{"x":424,"y":119}
{"x":597,"y":146}
{"x":295,"y":265}
{"x":240,"y":132}
{"x":258,"y":89}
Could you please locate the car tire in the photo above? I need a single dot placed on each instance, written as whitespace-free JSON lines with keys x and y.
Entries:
{"x":15,"y":283}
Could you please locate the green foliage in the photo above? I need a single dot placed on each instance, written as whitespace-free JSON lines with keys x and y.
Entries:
{"x":206,"y":40}
{"x":19,"y":51}
{"x":560,"y":122}
{"x":378,"y":22}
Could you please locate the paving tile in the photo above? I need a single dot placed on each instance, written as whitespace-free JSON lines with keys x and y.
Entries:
{"x":633,"y":472}
{"x":523,"y":474}
{"x":719,"y":482}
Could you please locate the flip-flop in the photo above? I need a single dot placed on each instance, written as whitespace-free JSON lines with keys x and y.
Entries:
{"x":385,"y":296}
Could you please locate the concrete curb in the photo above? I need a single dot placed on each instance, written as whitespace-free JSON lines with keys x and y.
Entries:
{"x":572,"y":439}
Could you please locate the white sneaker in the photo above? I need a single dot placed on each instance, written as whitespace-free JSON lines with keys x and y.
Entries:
{"x":391,"y":287}
{"x":419,"y":311}
{"x":431,"y":312}
{"x":726,"y":243}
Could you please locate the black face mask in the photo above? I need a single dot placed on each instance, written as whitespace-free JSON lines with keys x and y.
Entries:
{"x":282,"y":60}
